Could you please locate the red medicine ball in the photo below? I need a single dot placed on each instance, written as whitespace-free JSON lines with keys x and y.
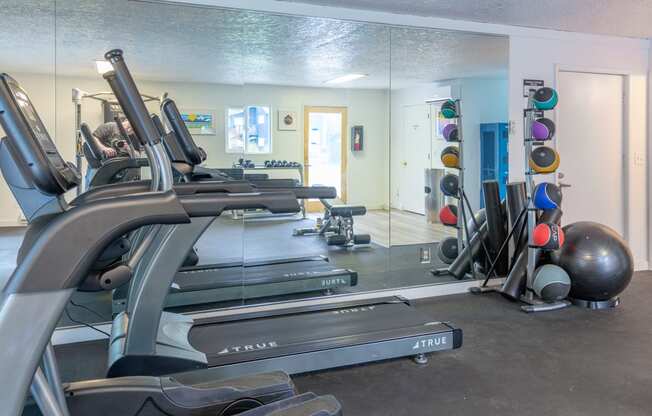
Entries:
{"x":448,"y":215}
{"x":548,"y":236}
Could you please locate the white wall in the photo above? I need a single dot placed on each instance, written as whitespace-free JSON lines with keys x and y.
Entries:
{"x":484,"y":100}
{"x":367,"y":170}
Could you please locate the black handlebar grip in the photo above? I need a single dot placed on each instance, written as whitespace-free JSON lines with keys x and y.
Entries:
{"x":90,"y":140}
{"x":158,"y":124}
{"x":124,"y":88}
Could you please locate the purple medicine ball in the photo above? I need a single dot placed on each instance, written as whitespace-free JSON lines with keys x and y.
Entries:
{"x":543,"y":129}
{"x":449,"y":132}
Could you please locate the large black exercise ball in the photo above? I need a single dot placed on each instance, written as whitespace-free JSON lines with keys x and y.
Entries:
{"x":597,"y":259}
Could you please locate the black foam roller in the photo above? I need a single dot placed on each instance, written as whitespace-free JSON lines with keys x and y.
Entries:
{"x":462,"y":264}
{"x":516,"y":202}
{"x":514,"y":285}
{"x":497,"y":225}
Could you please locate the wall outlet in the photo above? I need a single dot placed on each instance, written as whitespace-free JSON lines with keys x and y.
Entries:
{"x":424,"y":255}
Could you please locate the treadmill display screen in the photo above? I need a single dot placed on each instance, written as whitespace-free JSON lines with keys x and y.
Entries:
{"x":36,"y":126}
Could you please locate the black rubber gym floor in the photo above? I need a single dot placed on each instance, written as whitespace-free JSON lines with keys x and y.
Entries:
{"x":569,"y":362}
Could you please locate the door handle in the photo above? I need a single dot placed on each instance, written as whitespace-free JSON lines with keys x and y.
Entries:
{"x":404,"y":163}
{"x":564,"y":185}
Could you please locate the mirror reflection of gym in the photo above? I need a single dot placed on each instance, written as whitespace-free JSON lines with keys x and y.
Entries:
{"x":315,"y":110}
{"x":263,"y":107}
{"x":433,"y":69}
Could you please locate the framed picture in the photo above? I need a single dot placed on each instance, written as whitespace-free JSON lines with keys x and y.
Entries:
{"x":199,"y":122}
{"x":287,"y":120}
{"x":357,"y":138}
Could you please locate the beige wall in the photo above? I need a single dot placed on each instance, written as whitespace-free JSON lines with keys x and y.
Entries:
{"x":367,"y":170}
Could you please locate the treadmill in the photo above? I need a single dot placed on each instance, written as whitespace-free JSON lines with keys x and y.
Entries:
{"x":229,"y":281}
{"x":48,"y":272}
{"x":145,"y":340}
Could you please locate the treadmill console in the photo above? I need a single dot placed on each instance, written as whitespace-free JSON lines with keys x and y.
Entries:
{"x":29,"y":140}
{"x":188,"y":145}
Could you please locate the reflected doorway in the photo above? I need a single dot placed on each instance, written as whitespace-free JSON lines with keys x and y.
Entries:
{"x":325,"y":150}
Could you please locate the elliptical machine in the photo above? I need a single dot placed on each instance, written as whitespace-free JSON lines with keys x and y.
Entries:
{"x":62,"y":248}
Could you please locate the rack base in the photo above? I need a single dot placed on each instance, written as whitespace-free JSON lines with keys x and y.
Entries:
{"x":596,"y":304}
{"x":535,"y":305}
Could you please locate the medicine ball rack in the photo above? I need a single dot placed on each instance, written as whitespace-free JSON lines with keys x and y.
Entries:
{"x":462,"y":200}
{"x":528,"y":297}
{"x":532,"y":303}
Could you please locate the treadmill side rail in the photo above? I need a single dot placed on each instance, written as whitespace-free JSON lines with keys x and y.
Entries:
{"x":345,"y":356}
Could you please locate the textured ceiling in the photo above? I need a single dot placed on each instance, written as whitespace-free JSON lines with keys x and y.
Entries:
{"x":197,"y":44}
{"x":610,"y":17}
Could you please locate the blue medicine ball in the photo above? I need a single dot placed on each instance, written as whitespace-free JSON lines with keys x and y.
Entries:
{"x":546,"y":196}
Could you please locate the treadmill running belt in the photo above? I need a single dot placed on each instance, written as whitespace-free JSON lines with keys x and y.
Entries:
{"x":207,"y":278}
{"x":310,"y":331}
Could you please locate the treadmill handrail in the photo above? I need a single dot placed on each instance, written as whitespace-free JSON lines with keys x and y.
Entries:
{"x":205,"y":205}
{"x":61,"y":266}
{"x":233,"y":187}
{"x":305,"y":192}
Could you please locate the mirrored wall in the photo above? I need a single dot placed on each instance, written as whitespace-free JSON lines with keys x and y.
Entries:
{"x":344,"y":117}
{"x":439,"y":160}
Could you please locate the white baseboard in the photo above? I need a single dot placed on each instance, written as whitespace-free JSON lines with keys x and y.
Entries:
{"x":12,"y":224}
{"x":641,"y":265}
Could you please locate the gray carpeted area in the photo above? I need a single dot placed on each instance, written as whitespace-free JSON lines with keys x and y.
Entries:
{"x":571,"y":362}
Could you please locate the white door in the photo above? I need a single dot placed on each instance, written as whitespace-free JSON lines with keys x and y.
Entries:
{"x":590,"y":138}
{"x":415,"y":157}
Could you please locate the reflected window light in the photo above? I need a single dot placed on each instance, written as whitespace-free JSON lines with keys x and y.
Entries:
{"x":346,"y":78}
{"x":103,"y":66}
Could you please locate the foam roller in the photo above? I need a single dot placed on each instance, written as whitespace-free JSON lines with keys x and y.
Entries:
{"x":516,"y":202}
{"x":514,"y":285}
{"x":462,"y":263}
{"x":497,"y":227}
